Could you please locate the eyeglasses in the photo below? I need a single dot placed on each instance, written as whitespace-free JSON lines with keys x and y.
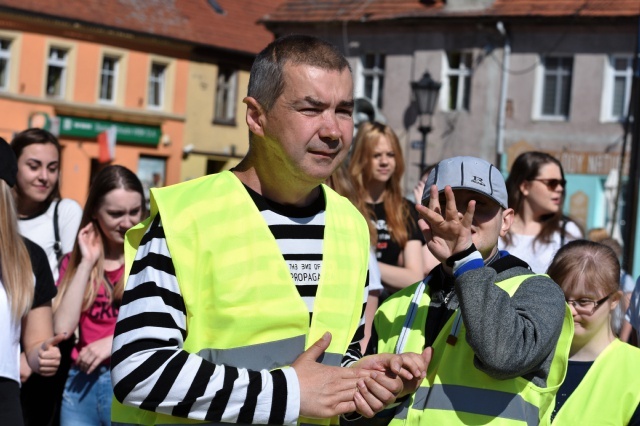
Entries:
{"x":552,"y":184}
{"x":588,"y":306}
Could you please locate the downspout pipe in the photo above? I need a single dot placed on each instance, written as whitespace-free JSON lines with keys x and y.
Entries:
{"x":501,"y":161}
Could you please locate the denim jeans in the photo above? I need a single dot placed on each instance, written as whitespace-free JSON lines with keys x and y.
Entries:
{"x":86,"y":400}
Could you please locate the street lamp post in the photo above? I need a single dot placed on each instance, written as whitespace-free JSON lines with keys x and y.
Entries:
{"x":425,"y":93}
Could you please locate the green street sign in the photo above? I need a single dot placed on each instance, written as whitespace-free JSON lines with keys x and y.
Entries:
{"x":126,"y":132}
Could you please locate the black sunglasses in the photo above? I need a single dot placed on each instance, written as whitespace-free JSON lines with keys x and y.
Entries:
{"x":552,"y":184}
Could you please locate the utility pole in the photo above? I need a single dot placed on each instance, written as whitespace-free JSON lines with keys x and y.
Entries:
{"x":634,"y":164}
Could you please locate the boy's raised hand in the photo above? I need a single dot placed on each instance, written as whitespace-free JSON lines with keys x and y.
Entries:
{"x":447,"y":232}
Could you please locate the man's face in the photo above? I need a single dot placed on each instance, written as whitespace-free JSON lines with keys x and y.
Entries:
{"x":490,"y":221}
{"x":310,"y":127}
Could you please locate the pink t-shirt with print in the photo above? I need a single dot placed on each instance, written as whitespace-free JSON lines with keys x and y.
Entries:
{"x":99,"y":320}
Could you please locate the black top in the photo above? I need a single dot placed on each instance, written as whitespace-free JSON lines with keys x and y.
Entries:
{"x":387,"y":250}
{"x":45,"y":287}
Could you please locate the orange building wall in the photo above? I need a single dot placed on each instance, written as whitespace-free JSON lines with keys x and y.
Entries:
{"x":135,"y":96}
{"x":88,"y":66}
{"x":28,"y":97}
{"x":32,"y":69}
{"x":14,"y":115}
{"x":180,"y":95}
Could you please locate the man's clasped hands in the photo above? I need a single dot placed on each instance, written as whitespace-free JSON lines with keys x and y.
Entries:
{"x":367,"y":387}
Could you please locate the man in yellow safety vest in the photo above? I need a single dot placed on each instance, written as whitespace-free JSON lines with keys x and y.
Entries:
{"x":246,"y":289}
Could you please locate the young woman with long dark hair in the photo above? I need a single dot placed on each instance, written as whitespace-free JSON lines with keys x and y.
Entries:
{"x":90,"y":291}
{"x":43,"y":215}
{"x":26,"y":290}
{"x":51,"y":222}
{"x":536,"y":186}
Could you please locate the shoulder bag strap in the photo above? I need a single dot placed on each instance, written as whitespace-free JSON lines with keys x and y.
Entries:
{"x":57,"y":245}
{"x":563,"y":230}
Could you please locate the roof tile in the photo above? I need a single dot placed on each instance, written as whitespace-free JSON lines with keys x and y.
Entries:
{"x":193,"y":21}
{"x":558,"y":8}
{"x":360,"y":10}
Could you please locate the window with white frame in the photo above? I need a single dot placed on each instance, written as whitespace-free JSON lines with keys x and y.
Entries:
{"x":108,"y":75}
{"x":372,"y":77}
{"x":556,"y":86}
{"x":5,"y":56}
{"x":225,"y":108}
{"x":56,"y":71}
{"x":458,"y":81}
{"x":157,"y":85}
{"x":621,"y":75}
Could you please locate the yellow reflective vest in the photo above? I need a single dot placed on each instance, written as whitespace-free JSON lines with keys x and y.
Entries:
{"x":455,"y":391}
{"x":243,"y":308}
{"x":609,"y":393}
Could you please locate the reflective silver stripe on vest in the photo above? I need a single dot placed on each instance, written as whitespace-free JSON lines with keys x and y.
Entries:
{"x":472,"y":400}
{"x":204,"y":424}
{"x":402,"y":411}
{"x":265,"y":356}
{"x":412,"y":310}
{"x":182,"y":424}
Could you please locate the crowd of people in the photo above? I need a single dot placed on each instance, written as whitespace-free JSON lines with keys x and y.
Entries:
{"x":303,"y":287}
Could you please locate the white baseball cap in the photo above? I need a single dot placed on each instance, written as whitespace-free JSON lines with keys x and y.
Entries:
{"x":471,"y":173}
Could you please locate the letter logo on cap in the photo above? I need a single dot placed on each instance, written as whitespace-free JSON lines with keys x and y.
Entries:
{"x":478,"y":180}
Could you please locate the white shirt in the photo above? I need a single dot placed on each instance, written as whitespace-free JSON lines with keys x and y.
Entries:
{"x":375,"y":279}
{"x":538,"y":257}
{"x":9,"y":340}
{"x":39,"y":229}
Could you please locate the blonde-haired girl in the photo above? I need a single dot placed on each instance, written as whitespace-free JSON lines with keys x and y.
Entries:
{"x":376,"y":167}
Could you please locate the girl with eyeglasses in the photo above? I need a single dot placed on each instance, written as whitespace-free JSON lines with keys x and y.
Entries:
{"x":601,"y":385}
{"x":536,"y":188}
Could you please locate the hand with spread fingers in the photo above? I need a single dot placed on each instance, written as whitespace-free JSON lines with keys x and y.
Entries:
{"x":447,"y":232}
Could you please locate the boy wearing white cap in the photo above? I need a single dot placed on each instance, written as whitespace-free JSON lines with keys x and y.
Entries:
{"x":500,"y":334}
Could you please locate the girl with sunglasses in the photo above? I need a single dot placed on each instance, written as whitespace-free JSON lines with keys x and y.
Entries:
{"x":536,"y":187}
{"x":601,"y":385}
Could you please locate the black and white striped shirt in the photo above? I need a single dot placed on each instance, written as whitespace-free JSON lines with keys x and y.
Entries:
{"x":159,"y":376}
